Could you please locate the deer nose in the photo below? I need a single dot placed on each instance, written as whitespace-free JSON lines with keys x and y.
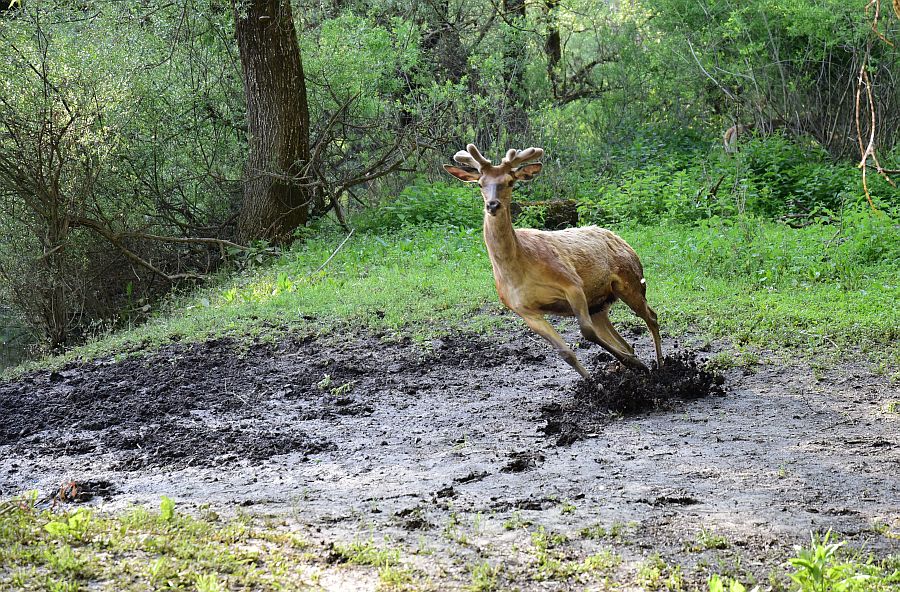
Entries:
{"x":492,"y":206}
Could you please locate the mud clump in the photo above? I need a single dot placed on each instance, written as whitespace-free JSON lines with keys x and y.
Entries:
{"x":616,"y":390}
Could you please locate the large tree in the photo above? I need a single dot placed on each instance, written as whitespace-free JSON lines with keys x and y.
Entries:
{"x":277,"y":192}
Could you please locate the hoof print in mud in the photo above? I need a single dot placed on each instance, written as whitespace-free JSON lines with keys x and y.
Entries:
{"x":619,"y":391}
{"x":523,"y":460}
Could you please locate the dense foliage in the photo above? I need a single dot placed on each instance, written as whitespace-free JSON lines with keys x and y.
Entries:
{"x":123,"y":134}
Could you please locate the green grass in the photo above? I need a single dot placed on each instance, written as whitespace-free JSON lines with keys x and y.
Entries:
{"x":772,"y":286}
{"x":484,"y":578}
{"x":757,"y":284}
{"x":143,"y":550}
{"x":827,"y":566}
{"x":367,"y":553}
{"x":166,"y":549}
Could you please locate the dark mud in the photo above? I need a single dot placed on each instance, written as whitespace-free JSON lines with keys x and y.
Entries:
{"x":210,"y":404}
{"x":616,"y":390}
{"x":201,"y":405}
{"x":448,"y":441}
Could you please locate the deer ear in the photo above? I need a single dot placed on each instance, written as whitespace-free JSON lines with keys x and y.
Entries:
{"x":463,"y":174}
{"x":527,"y":172}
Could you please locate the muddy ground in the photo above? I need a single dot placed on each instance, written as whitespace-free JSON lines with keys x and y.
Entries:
{"x":459,"y":449}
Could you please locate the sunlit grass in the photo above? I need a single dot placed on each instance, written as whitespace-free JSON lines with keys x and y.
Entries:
{"x":768,"y":287}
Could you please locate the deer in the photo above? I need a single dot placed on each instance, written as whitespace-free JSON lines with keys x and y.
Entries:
{"x":740,"y":131}
{"x":576,"y":272}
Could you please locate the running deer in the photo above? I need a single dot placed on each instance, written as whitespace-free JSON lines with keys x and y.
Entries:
{"x":576,"y":272}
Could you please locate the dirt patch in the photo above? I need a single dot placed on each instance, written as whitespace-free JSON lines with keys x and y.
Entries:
{"x":214,"y":403}
{"x":200,"y":405}
{"x":616,"y":390}
{"x":444,"y":445}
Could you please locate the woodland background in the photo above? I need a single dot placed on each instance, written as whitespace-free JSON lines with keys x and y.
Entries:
{"x":148,"y":146}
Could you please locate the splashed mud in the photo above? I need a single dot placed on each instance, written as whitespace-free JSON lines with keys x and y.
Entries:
{"x":616,"y":390}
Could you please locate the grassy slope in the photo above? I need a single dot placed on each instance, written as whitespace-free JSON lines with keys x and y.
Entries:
{"x":760,"y":285}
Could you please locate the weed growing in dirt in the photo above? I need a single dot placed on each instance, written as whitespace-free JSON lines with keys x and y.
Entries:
{"x":885,"y":530}
{"x":719,"y":584}
{"x":451,"y":530}
{"x":617,"y":531}
{"x":395,"y":579}
{"x":551,"y":562}
{"x":655,"y":574}
{"x":826,"y":566}
{"x":567,"y":507}
{"x":707,"y":540}
{"x":516,"y":521}
{"x":366,"y":553}
{"x":167,"y":549}
{"x":141,"y":550}
{"x":484,"y":578}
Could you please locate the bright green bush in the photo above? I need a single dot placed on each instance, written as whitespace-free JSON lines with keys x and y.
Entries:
{"x":426,"y":204}
{"x":773,"y":255}
{"x":771,"y":179}
{"x":649,"y":195}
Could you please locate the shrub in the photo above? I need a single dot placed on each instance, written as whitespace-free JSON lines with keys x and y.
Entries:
{"x":426,"y":204}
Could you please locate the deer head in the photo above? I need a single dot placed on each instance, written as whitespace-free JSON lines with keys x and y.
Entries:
{"x":496,"y":181}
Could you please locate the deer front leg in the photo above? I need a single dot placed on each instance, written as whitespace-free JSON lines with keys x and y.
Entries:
{"x":539,"y":325}
{"x":578,"y":302}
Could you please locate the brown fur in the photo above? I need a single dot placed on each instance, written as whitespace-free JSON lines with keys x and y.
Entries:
{"x":573,"y":272}
{"x":732,"y":134}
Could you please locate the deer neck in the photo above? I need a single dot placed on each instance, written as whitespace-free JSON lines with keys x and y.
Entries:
{"x":501,"y":242}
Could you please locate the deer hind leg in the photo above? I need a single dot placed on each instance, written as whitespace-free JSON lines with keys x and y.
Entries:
{"x":634,"y":296}
{"x":539,"y":325}
{"x":607,"y":331}
{"x":624,"y":354}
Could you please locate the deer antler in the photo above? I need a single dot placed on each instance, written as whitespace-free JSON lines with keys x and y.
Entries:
{"x":471,"y":157}
{"x":464,"y":158}
{"x":514,"y":158}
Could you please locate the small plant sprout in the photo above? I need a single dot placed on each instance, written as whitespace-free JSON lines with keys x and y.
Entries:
{"x":516,"y":521}
{"x":484,"y":578}
{"x":342,"y":390}
{"x":166,"y":509}
{"x":719,"y":584}
{"x":707,"y":540}
{"x":324,"y":383}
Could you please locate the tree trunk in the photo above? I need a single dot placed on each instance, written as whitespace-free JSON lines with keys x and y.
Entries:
{"x":275,"y":200}
{"x":443,"y":41}
{"x":514,"y":62}
{"x":54,"y":309}
{"x":553,"y":46}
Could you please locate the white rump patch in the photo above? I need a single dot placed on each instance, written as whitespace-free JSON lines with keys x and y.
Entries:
{"x":643,"y":281}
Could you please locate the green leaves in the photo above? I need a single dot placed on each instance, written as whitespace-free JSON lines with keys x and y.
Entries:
{"x":70,"y":526}
{"x":717,"y":584}
{"x":818,"y":568}
{"x":166,"y":509}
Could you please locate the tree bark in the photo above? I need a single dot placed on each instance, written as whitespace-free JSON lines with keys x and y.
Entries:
{"x":514,"y":61}
{"x":553,"y":46}
{"x":443,"y":41}
{"x":276,"y":202}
